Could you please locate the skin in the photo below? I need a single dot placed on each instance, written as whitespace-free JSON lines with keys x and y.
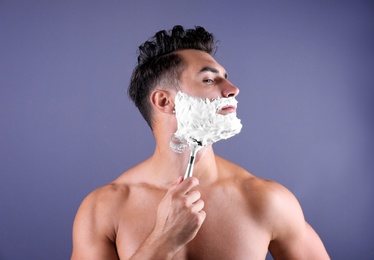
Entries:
{"x":223,"y":212}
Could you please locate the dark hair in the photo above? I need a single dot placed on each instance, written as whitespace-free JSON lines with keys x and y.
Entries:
{"x":159,"y":65}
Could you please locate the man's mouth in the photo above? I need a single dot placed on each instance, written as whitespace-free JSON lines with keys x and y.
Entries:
{"x":227,"y":110}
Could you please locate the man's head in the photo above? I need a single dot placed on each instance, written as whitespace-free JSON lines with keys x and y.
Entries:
{"x":160,"y":66}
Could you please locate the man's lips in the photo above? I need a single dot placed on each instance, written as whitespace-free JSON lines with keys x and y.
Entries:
{"x":227,"y":110}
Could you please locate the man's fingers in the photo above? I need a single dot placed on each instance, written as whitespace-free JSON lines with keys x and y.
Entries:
{"x":187,"y":185}
{"x":192,"y":196}
{"x":198,"y":206}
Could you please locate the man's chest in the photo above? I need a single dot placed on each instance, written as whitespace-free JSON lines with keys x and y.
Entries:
{"x":226,"y":236}
{"x":228,"y":232}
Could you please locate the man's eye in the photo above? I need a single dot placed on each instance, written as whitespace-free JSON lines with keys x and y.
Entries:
{"x":208,"y":81}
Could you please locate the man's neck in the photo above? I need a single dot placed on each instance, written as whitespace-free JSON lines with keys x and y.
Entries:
{"x":169,"y":165}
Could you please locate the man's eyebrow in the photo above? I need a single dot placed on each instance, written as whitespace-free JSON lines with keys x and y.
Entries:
{"x":211,"y":69}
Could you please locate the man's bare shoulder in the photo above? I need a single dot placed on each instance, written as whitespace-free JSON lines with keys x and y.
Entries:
{"x":111,"y":192}
{"x":109,"y":198}
{"x":265,"y":197}
{"x":269,"y":199}
{"x":97,"y":220}
{"x":102,"y":203}
{"x":249,"y":181}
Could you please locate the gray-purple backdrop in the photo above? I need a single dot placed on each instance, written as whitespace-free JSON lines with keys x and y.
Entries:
{"x":305,"y":70}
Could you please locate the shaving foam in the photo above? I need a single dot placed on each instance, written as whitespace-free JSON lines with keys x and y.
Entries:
{"x":199,"y":122}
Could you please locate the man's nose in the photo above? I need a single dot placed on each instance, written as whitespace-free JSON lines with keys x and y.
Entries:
{"x":229,"y":90}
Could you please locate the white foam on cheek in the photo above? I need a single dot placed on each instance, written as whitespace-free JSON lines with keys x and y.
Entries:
{"x":198,"y":121}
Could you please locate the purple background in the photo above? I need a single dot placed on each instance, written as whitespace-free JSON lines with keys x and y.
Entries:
{"x":306,"y":75}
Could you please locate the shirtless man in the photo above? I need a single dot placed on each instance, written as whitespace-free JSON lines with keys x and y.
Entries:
{"x":222,"y":212}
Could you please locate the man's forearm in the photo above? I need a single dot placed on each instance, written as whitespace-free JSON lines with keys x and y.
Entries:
{"x":154,"y":248}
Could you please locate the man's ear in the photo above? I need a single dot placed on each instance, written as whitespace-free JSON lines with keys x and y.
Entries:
{"x":162,"y":100}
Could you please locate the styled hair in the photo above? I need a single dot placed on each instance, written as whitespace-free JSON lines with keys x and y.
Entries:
{"x":159,"y":66}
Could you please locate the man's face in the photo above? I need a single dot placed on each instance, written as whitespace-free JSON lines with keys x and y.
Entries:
{"x":203,"y":77}
{"x":205,"y":106}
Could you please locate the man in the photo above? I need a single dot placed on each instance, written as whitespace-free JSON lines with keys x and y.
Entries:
{"x":222,"y":212}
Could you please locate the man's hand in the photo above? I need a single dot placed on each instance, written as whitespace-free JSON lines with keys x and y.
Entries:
{"x":179,"y":217}
{"x":180,"y":213}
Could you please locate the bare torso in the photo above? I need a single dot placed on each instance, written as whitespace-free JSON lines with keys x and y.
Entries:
{"x":233,"y":228}
{"x":245,"y":217}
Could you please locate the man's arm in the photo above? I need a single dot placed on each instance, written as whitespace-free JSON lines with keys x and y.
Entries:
{"x":293,"y":237}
